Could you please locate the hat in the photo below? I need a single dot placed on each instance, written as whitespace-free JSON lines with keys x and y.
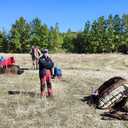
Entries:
{"x":44,"y":50}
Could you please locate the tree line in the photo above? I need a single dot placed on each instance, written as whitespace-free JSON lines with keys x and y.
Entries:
{"x":104,"y":35}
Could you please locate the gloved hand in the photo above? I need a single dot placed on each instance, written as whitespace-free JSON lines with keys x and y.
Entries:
{"x":53,"y":76}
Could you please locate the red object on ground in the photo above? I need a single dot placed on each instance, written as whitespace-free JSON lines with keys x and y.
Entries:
{"x":7,"y":62}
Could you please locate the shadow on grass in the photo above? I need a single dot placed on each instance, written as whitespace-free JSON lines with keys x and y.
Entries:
{"x":25,"y":68}
{"x":115,"y":115}
{"x":32,"y":94}
{"x":90,"y":100}
{"x":86,"y":99}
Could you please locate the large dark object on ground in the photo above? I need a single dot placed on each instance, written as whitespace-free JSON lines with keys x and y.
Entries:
{"x":112,"y":92}
{"x":111,"y":95}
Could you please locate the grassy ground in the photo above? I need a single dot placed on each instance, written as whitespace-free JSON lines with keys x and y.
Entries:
{"x":65,"y":109}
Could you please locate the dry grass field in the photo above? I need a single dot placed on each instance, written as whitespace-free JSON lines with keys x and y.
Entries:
{"x":65,"y":109}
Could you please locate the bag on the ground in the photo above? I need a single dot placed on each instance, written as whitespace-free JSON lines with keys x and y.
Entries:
{"x":1,"y":58}
{"x":112,"y":92}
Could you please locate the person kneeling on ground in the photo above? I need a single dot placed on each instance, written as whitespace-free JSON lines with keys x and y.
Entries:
{"x":45,"y":73}
{"x":57,"y":72}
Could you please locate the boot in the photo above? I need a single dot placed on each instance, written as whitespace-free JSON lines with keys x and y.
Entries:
{"x":50,"y":92}
{"x":43,"y":93}
{"x":49,"y":86}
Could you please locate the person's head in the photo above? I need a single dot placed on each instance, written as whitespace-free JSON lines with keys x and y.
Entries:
{"x":36,"y":46}
{"x":45,"y":52}
{"x":33,"y":46}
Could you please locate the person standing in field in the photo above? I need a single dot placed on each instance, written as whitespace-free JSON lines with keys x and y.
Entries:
{"x":35,"y":53}
{"x":45,"y":67}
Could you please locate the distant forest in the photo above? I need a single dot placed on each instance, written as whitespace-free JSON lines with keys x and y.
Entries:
{"x":103,"y":35}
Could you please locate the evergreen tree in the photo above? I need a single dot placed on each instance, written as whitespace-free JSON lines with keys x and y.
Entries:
{"x":39,"y":33}
{"x":55,"y":38}
{"x":19,"y":36}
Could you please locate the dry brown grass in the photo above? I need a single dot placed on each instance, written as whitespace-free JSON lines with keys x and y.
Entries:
{"x":65,"y":109}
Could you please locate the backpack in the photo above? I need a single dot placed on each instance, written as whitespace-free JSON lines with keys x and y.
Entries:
{"x":48,"y":64}
{"x":112,"y":92}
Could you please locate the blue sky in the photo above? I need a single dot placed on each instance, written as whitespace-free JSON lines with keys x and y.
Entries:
{"x":68,"y":13}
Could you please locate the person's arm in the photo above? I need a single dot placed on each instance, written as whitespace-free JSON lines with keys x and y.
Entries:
{"x":30,"y":52}
{"x":36,"y":53}
{"x":51,"y":62}
{"x":39,"y":52}
{"x":52,"y":68}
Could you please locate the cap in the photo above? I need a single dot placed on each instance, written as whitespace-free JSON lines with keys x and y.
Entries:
{"x":44,"y":50}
